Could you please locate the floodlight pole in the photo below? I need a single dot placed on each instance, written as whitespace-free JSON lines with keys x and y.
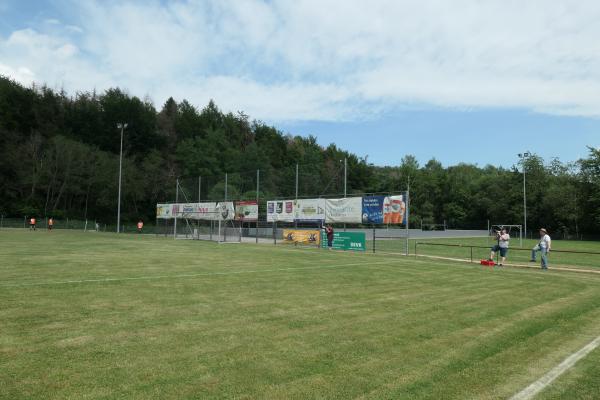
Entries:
{"x":257,"y":200}
{"x":345,"y":182}
{"x":177,"y":203}
{"x":345,"y":177}
{"x":122,"y":127}
{"x":296,"y":181}
{"x":523,"y":158}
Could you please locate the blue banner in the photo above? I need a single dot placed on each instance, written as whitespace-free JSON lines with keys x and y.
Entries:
{"x":372,"y":209}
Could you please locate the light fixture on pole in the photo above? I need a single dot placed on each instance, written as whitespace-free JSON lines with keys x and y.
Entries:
{"x":523,"y":157}
{"x":122,"y":127}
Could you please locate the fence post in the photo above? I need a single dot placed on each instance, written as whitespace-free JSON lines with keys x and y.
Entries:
{"x":374,"y":238}
{"x":24,"y":221}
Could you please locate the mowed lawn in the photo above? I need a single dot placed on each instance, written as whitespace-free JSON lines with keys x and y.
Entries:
{"x":102,"y":316}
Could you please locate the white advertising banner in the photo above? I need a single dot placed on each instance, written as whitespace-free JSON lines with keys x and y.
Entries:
{"x":225,"y":211}
{"x":163,"y":211}
{"x":206,"y":211}
{"x":309,"y":210}
{"x":246,"y":211}
{"x":188,"y":211}
{"x":280,"y":210}
{"x":348,"y":210}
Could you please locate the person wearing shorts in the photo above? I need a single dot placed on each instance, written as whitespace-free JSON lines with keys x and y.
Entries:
{"x":502,"y":246}
{"x":50,"y":223}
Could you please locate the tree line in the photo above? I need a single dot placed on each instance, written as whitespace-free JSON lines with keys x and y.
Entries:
{"x":59,"y":156}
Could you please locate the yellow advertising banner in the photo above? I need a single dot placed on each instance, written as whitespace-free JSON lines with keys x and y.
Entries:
{"x":302,"y":236}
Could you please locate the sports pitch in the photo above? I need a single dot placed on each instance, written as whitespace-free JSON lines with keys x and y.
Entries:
{"x":101,"y":316}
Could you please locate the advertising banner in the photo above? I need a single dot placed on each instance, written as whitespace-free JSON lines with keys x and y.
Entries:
{"x":206,"y":211}
{"x":225,"y":211}
{"x":280,"y":210}
{"x":163,"y":211}
{"x":246,"y":211}
{"x":188,"y":211}
{"x":348,"y":210}
{"x":355,"y":241}
{"x":302,"y":236}
{"x":309,"y":210}
{"x":384,"y":210}
{"x":394,"y":210}
{"x":372,"y":209}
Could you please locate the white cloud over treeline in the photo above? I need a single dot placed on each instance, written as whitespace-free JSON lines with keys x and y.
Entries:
{"x":322,"y":60}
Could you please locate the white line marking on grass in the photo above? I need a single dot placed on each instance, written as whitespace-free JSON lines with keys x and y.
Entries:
{"x":150,"y":277}
{"x":536,"y":387}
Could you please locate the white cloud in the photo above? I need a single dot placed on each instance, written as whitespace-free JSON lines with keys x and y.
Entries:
{"x":327,"y":60}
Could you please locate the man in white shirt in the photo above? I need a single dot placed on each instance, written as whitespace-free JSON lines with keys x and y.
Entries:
{"x":502,"y":246}
{"x":544,"y":246}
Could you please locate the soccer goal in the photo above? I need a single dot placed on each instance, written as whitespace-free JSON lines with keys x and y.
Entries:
{"x":513,"y":230}
{"x":217,"y":226}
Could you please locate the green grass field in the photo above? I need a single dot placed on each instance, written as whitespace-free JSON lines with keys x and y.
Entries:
{"x":102,"y":316}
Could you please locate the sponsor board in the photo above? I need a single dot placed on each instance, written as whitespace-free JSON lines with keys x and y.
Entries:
{"x":163,"y":211}
{"x":347,"y":210}
{"x":246,"y":211}
{"x":302,"y":236}
{"x":280,"y":210}
{"x":355,"y":241}
{"x":384,"y":210}
{"x":225,"y":211}
{"x":309,"y":210}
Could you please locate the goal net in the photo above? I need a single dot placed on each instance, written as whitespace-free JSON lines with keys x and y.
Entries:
{"x":217,"y":226}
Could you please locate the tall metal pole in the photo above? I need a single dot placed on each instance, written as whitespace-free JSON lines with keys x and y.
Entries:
{"x":408,"y":216}
{"x":225,"y":186}
{"x":345,"y":182}
{"x":199,"y":189}
{"x":525,"y":198}
{"x":121,"y":126}
{"x":523,"y":157}
{"x":345,"y":177}
{"x":175,"y":216}
{"x":257,"y":200}
{"x":296,"y":181}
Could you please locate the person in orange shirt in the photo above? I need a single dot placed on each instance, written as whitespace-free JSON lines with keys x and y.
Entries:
{"x":140,"y":225}
{"x":32,"y":223}
{"x":50,"y":223}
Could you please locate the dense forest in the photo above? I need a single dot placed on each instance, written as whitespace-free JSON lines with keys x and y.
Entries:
{"x":59,"y":156}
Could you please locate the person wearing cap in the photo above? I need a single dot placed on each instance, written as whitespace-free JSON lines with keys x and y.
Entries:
{"x":544,"y":246}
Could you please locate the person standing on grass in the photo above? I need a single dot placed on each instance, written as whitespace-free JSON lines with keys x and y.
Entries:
{"x":329,"y":233}
{"x":50,"y":223}
{"x":32,"y":224}
{"x":502,"y":246}
{"x":140,"y":226}
{"x":544,"y":247}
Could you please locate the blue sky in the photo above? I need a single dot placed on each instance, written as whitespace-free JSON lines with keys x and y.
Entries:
{"x":461,"y":81}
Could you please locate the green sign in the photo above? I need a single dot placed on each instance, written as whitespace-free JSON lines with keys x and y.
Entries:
{"x":355,"y":241}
